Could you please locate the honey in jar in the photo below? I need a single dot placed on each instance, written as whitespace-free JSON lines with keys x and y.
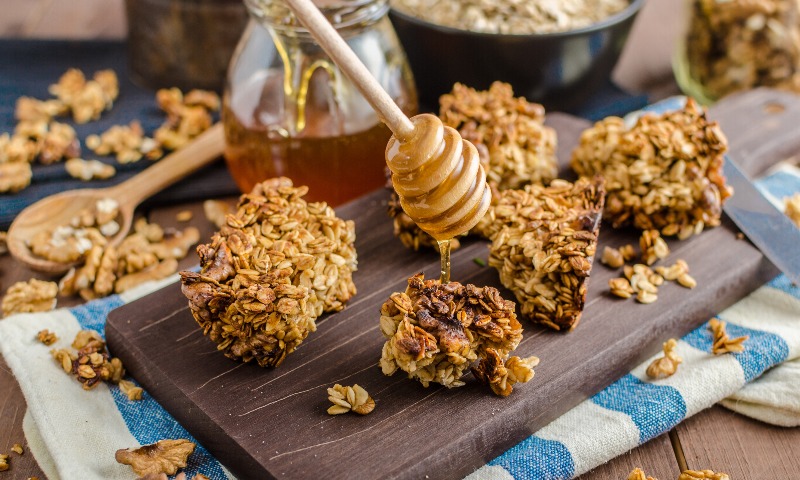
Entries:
{"x":289,"y":111}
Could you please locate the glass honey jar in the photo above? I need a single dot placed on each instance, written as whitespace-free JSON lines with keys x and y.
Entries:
{"x":289,"y":111}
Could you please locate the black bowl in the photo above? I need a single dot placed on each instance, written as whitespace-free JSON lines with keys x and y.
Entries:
{"x":560,"y":70}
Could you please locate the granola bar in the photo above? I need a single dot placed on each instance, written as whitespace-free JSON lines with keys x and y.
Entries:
{"x":435,"y":332}
{"x":664,"y":173}
{"x":543,"y":244}
{"x":275,"y":266}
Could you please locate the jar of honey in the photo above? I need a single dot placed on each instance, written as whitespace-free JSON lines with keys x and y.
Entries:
{"x":289,"y":111}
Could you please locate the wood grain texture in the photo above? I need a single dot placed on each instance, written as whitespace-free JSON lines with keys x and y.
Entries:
{"x":241,"y":412}
{"x":12,"y":410}
{"x":721,"y":440}
{"x":654,"y":457}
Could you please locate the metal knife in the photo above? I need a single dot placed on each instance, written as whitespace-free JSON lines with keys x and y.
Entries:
{"x":768,"y":228}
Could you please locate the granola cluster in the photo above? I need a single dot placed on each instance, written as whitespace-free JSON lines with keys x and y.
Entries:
{"x":275,"y":266}
{"x":515,"y":147}
{"x":349,"y":399}
{"x":31,"y":296}
{"x":543,"y":244}
{"x":512,"y":16}
{"x":734,"y":46}
{"x":641,"y":280}
{"x":435,"y":332}
{"x":664,"y":173}
{"x":89,"y":361}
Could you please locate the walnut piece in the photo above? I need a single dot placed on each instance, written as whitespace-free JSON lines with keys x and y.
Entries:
{"x":435,"y":332}
{"x":703,"y":475}
{"x":14,"y":176}
{"x":130,"y":390}
{"x":275,"y":266}
{"x":612,"y":257}
{"x":17,"y":448}
{"x":87,"y":170}
{"x":93,"y":363}
{"x":722,"y":343}
{"x":46,"y":337}
{"x":187,"y":116}
{"x":164,"y":456}
{"x":127,"y":142}
{"x":31,"y":296}
{"x":349,"y":399}
{"x":86,"y":99}
{"x":664,"y":173}
{"x":668,"y":364}
{"x":793,"y":208}
{"x":638,"y":474}
{"x":543,"y":244}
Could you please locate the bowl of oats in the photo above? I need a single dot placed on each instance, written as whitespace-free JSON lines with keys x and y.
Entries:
{"x":555,"y":52}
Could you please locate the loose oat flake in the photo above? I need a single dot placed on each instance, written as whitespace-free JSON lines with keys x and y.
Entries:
{"x":46,"y":337}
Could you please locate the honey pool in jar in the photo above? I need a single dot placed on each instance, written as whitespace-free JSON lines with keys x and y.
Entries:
{"x":289,"y":111}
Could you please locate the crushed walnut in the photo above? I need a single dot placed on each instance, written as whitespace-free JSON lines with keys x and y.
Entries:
{"x":703,"y":475}
{"x":638,"y":474}
{"x":31,"y":296}
{"x":793,"y":208}
{"x":275,"y":266}
{"x":543,"y":244}
{"x":435,"y":332}
{"x":130,"y":390}
{"x":349,"y":399}
{"x":721,"y":342}
{"x":86,"y":99}
{"x":187,"y":116}
{"x":512,"y":16}
{"x":90,"y":361}
{"x":667,"y":365}
{"x":87,"y":170}
{"x":664,"y":173}
{"x":127,"y":142}
{"x":653,"y":247}
{"x":15,"y":176}
{"x":46,"y":337}
{"x":164,"y":456}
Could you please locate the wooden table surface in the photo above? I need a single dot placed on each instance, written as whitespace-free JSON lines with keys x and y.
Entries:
{"x":716,"y":438}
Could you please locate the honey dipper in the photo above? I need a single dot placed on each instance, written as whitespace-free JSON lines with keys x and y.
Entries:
{"x":436,"y":173}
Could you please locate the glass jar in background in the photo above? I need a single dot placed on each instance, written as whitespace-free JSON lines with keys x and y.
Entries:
{"x":289,"y":111}
{"x":183,"y":43}
{"x":735,"y":45}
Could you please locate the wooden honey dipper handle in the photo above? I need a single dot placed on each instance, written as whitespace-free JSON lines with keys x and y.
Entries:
{"x":336,"y":48}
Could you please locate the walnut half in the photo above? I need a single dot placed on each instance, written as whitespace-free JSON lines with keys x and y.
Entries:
{"x":164,"y":456}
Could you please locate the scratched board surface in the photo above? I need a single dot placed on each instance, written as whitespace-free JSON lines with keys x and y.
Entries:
{"x":264,"y":423}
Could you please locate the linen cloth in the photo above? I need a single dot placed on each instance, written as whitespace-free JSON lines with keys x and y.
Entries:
{"x":73,"y":433}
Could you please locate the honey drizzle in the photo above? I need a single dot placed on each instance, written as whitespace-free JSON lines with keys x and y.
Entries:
{"x":444,"y":253}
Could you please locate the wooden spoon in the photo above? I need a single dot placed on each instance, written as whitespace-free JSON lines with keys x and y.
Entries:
{"x":59,"y":209}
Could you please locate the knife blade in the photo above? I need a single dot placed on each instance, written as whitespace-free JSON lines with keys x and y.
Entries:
{"x":772,"y":232}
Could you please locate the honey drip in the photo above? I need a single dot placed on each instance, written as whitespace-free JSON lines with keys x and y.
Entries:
{"x":440,"y":181}
{"x":444,"y":253}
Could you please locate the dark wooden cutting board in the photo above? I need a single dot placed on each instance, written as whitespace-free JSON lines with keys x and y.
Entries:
{"x":264,"y":423}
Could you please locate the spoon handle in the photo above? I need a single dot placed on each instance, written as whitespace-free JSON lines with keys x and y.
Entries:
{"x":201,"y":151}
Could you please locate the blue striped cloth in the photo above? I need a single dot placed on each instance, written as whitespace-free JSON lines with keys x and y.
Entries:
{"x":626,"y":414}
